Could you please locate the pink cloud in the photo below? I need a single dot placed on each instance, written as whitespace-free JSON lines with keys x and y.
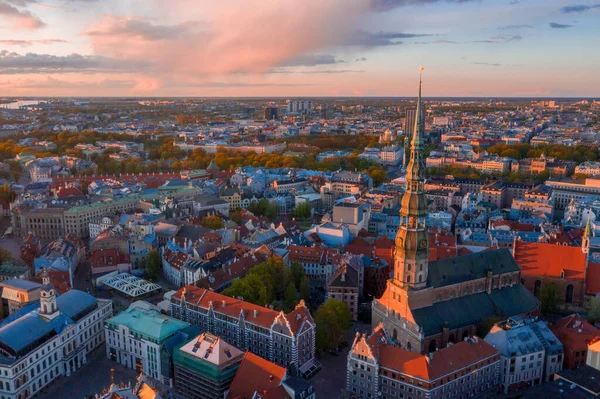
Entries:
{"x":20,"y":19}
{"x":240,"y":37}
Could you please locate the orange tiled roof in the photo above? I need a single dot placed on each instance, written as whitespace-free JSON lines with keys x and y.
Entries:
{"x":255,"y":375}
{"x":575,"y":332}
{"x":444,"y":361}
{"x":255,"y":314}
{"x":538,"y":259}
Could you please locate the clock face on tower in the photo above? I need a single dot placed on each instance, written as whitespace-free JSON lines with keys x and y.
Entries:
{"x":423,"y":243}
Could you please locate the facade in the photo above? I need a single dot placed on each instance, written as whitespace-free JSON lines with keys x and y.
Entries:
{"x":355,"y":215}
{"x":564,"y":266}
{"x":391,"y":155}
{"x":344,"y":286}
{"x":16,"y":294}
{"x":318,"y":262}
{"x":281,"y":338}
{"x":566,"y":190}
{"x":575,"y":333}
{"x":205,"y":367}
{"x":378,"y":369}
{"x":428,"y":305}
{"x":530,"y":354}
{"x":43,"y":342}
{"x":135,"y":336}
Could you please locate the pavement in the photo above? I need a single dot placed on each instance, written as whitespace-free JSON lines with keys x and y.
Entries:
{"x":92,"y":378}
{"x":330,"y":382}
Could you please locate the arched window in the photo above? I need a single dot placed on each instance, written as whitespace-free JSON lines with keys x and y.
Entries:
{"x":523,"y":281}
{"x":408,"y":267}
{"x":420,"y":278}
{"x":537,"y":287}
{"x":395,"y":335}
{"x":432,"y":346}
{"x":569,"y":296}
{"x":408,"y":279}
{"x":421,"y":267}
{"x":465,"y":334}
{"x":451,"y":338}
{"x":408,"y":346}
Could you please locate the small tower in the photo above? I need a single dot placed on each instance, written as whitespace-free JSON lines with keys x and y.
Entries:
{"x":587,"y":234}
{"x":48,"y":308}
{"x":213,"y":169}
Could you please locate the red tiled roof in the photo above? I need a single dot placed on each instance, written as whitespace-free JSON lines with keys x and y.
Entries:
{"x":237,"y":269}
{"x":65,"y":192}
{"x":575,"y":332}
{"x":255,"y":375}
{"x":539,"y":259}
{"x":59,"y":279}
{"x":444,"y":361}
{"x":256,"y":314}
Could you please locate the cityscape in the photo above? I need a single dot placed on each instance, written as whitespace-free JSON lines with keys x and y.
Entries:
{"x":274,"y":200}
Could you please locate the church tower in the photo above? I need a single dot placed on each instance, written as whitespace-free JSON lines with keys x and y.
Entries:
{"x":48,"y":307}
{"x":412,"y":249}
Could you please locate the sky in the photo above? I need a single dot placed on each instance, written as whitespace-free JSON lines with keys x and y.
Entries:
{"x":296,"y":48}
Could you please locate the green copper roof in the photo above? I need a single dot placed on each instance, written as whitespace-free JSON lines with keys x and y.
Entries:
{"x":148,"y":324}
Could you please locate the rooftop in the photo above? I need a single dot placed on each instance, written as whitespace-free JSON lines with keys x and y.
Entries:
{"x":149,"y":323}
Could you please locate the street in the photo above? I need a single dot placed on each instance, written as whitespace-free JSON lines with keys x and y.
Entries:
{"x":330,"y":382}
{"x":90,"y":379}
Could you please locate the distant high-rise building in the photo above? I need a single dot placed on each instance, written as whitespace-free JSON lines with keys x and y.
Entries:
{"x":299,"y":107}
{"x":271,"y":113}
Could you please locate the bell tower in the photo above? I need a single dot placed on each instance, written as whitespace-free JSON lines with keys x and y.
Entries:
{"x":48,"y":308}
{"x":411,"y":259}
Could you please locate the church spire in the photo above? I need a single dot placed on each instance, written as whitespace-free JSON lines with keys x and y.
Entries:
{"x":412,"y":253}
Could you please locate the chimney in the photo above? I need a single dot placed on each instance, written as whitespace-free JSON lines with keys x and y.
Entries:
{"x":255,"y":313}
{"x":223,"y":302}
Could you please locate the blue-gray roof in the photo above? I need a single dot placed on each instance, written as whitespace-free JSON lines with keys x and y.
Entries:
{"x":471,"y":309}
{"x":30,"y":328}
{"x":25,"y":326}
{"x":21,"y":284}
{"x":73,"y":302}
{"x":455,"y":270}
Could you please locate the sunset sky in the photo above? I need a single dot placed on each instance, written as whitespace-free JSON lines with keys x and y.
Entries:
{"x":299,"y":48}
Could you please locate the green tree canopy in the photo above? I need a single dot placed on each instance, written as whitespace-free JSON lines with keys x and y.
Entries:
{"x":153,"y":264}
{"x":212,"y":222}
{"x":332,"y":319}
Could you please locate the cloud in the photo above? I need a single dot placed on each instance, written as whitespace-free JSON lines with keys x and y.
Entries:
{"x":53,"y":83}
{"x":368,"y":39}
{"x":360,"y":59}
{"x":15,"y":63}
{"x":134,"y":26}
{"x":578,"y":8}
{"x":494,"y":64}
{"x":20,"y":19}
{"x":442,"y":41}
{"x":506,"y":38}
{"x":27,"y":43}
{"x":491,"y":40}
{"x":387,"y":5}
{"x":509,"y":27}
{"x":555,"y":25}
{"x":314,"y":72}
{"x":310,"y":60}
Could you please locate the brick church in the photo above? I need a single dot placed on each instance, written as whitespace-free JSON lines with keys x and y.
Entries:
{"x":427,"y":305}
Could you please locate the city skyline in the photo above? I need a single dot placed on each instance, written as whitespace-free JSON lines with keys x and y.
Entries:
{"x":298,"y":49}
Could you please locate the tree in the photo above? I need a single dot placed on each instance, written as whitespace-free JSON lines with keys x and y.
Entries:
{"x":549,"y":297}
{"x":236,"y":216}
{"x":305,"y":288}
{"x":331,"y":319}
{"x":303,"y":211}
{"x":212,"y":222}
{"x":153,"y":264}
{"x":5,"y":255}
{"x":593,"y":310}
{"x":297,"y":273}
{"x":291,"y":296}
{"x":271,"y":211}
{"x":379,"y":176}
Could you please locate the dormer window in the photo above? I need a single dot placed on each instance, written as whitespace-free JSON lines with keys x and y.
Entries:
{"x":562,"y":273}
